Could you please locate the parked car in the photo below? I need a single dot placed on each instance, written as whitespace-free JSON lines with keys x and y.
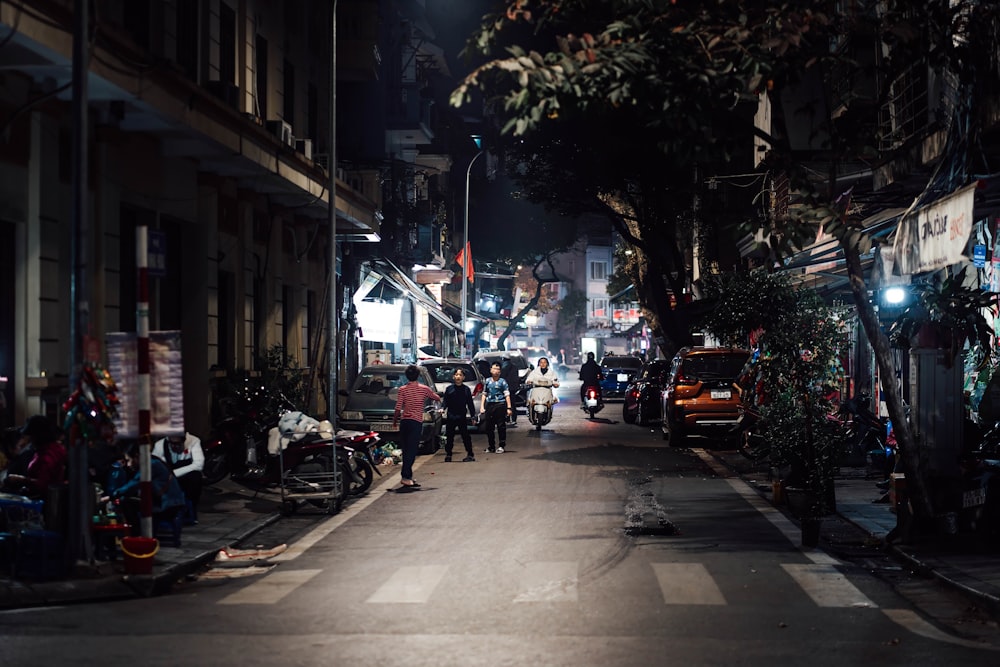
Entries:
{"x":372,"y":401}
{"x":642,"y":396}
{"x":619,"y":370}
{"x":442,"y":372}
{"x":533,"y":354}
{"x":486,"y":358}
{"x":699,"y":394}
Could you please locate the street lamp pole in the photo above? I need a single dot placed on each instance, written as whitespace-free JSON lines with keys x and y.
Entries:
{"x":466,"y":255}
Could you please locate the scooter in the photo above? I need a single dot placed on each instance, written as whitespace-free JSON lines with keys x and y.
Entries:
{"x":593,"y":402}
{"x":980,"y":502}
{"x":540,"y":400}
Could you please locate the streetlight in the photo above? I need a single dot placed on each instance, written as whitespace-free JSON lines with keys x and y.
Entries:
{"x":465,"y":246}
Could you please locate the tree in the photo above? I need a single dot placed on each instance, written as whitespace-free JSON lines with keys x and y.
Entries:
{"x":539,"y":278}
{"x":681,"y":72}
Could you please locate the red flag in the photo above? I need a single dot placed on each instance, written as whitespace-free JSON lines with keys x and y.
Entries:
{"x":470,"y":271}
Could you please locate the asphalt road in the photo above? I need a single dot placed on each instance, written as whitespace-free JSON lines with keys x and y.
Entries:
{"x":588,"y":543}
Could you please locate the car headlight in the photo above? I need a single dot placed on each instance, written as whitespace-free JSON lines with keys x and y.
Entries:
{"x":352,"y":415}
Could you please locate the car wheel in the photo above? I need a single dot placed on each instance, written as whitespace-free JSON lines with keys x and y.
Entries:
{"x":627,"y":415}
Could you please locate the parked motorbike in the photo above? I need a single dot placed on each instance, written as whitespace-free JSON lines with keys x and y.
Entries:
{"x":980,"y":511}
{"x":540,"y":400}
{"x":865,"y":440}
{"x":249,"y":414}
{"x":355,"y":460}
{"x":593,"y":402}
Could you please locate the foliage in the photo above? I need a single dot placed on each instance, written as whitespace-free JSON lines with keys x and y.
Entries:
{"x":274,"y":371}
{"x":949,"y":306}
{"x":799,"y":339}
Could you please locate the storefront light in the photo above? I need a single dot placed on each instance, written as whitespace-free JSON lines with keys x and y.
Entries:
{"x":893,"y":296}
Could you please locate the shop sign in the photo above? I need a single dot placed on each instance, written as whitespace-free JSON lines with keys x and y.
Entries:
{"x":935,"y":236}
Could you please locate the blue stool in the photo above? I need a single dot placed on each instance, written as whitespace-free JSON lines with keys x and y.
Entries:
{"x":171,"y":527}
{"x":40,"y":555}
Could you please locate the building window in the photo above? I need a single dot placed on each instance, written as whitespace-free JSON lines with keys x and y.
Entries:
{"x":227,"y":44}
{"x":289,"y":93}
{"x":599,"y":307}
{"x":598,"y":271}
{"x":260,"y":77}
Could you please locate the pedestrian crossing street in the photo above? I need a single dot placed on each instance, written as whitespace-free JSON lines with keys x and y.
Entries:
{"x":547,"y":581}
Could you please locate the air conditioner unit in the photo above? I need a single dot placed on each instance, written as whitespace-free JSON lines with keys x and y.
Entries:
{"x":305,"y":146}
{"x":283,"y":131}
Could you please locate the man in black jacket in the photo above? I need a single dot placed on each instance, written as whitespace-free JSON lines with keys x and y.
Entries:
{"x":590,"y":374}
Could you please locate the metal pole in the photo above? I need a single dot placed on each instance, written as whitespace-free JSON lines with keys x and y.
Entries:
{"x":79,"y":324}
{"x":143,"y":382}
{"x":332,"y":349}
{"x":468,"y":259}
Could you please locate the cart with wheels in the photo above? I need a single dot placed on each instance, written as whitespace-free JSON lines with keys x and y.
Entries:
{"x":317,"y":480}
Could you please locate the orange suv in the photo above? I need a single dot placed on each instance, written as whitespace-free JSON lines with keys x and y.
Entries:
{"x":698,"y":395}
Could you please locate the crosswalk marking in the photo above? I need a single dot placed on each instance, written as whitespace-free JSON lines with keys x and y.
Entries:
{"x":409,"y":584}
{"x":826,"y":586}
{"x":272,"y":588}
{"x":687,"y":583}
{"x":548,"y":582}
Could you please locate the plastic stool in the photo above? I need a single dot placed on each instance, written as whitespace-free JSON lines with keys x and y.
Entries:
{"x":172,"y":527}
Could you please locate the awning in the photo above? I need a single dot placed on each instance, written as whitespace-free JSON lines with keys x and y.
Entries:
{"x":395,"y":276}
{"x":826,"y":255}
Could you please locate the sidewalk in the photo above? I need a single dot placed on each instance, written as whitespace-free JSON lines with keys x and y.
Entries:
{"x":228,"y":514}
{"x":954,"y":560}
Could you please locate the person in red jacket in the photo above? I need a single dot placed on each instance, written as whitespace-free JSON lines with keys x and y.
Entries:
{"x":48,"y":466}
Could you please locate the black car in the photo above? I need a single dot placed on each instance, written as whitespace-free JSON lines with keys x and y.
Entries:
{"x":619,"y":370}
{"x":642,"y":396}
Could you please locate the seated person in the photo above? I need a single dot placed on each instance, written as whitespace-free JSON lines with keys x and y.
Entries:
{"x":168,"y":498}
{"x":47,"y":466}
{"x":15,"y":454}
{"x":183,"y":455}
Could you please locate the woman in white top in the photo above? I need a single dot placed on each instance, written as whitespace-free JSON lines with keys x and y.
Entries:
{"x":542,"y":380}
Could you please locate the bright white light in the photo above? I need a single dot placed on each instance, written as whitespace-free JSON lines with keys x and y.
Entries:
{"x":894,"y":295}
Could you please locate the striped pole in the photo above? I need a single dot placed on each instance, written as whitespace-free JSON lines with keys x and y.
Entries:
{"x":142,"y":362}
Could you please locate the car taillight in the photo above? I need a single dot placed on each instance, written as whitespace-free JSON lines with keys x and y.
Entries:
{"x":478,"y":389}
{"x":682,"y":379}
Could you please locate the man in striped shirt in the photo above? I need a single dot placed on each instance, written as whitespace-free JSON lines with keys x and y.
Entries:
{"x":410,"y":407}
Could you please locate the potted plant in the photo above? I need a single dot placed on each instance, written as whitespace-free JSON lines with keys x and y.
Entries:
{"x":944,"y":315}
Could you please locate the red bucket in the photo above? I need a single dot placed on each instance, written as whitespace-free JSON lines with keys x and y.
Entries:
{"x":139,"y":552}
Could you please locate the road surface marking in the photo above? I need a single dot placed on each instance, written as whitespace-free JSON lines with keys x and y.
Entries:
{"x":687,"y":583}
{"x":412,"y":584}
{"x":272,"y":588}
{"x":548,"y":582}
{"x":827,"y":586}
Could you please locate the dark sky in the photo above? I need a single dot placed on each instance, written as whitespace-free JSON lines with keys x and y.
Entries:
{"x":454,"y":21}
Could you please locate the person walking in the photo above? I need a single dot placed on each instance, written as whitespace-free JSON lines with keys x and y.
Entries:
{"x":458,"y":402}
{"x":410,"y":409}
{"x":183,"y":454}
{"x":495,"y":407}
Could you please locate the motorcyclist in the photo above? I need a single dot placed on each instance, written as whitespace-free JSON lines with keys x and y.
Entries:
{"x":542,"y":380}
{"x":590,"y":374}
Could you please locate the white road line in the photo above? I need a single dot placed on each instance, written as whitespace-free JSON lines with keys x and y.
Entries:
{"x":272,"y":588}
{"x":328,"y":526}
{"x":827,"y":586}
{"x":549,"y":582}
{"x":687,"y":583}
{"x":411,"y":584}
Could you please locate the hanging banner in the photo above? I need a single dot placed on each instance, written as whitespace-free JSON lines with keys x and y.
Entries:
{"x":934,"y":236}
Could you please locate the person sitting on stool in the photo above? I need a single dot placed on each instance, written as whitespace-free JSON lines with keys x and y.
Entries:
{"x":183,"y":455}
{"x":168,"y":499}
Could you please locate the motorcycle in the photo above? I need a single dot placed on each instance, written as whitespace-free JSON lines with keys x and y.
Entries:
{"x":593,"y":402}
{"x":980,"y":488}
{"x":540,"y":400}
{"x":249,"y":414}
{"x":865,"y":440}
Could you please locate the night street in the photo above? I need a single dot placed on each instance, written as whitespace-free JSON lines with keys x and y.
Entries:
{"x":557,"y":552}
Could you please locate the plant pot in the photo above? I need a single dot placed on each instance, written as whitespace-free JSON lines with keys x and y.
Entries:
{"x":803,"y":502}
{"x":810,"y":531}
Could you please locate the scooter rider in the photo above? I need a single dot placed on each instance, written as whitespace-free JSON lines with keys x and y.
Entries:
{"x":542,"y":380}
{"x":590,"y":374}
